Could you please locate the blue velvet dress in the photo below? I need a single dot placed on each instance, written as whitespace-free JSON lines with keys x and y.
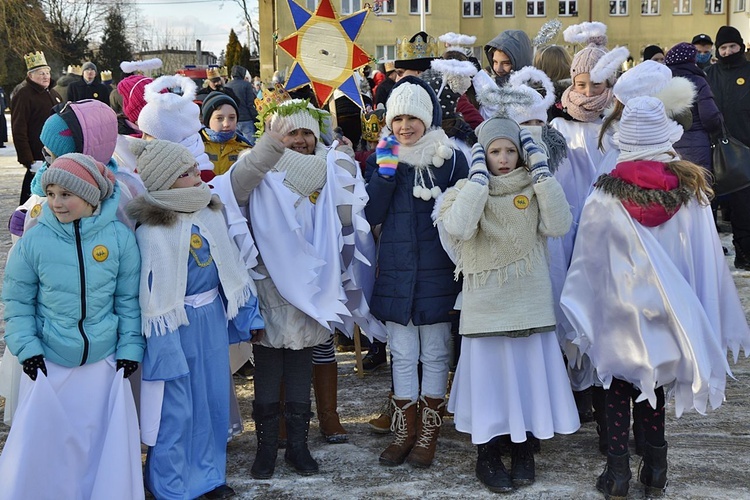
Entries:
{"x":189,"y":457}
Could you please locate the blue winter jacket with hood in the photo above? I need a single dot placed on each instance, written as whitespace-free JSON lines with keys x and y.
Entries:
{"x":71,"y":290}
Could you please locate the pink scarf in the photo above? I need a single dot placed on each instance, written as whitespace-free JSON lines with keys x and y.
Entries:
{"x":583,"y":108}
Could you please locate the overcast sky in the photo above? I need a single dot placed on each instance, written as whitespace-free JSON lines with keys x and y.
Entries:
{"x":207,"y":20}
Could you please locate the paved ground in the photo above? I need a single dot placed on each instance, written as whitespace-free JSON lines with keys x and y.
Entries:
{"x":709,"y":456}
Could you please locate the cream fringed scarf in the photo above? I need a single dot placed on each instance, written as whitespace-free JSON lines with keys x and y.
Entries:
{"x":164,"y":246}
{"x":506,"y":234}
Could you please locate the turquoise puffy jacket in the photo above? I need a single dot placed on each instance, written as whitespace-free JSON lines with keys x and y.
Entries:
{"x":71,"y":290}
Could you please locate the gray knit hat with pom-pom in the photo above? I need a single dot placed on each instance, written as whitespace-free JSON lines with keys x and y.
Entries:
{"x":160,"y":163}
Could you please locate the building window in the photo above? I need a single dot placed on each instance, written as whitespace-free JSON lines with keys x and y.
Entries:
{"x":714,"y":6}
{"x":535,"y":8}
{"x":414,"y":6}
{"x":472,"y":8}
{"x":503,"y":8}
{"x":350,"y":6}
{"x":388,"y":7}
{"x":739,"y":5}
{"x":681,"y":6}
{"x":385,"y":52}
{"x":650,"y":7}
{"x":618,"y":8}
{"x":312,"y":4}
{"x":568,"y":8}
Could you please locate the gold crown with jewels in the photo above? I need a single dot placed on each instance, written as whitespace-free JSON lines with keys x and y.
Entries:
{"x":372,"y":123}
{"x":213,"y":72}
{"x":35,"y":60}
{"x":420,"y":48}
{"x":106,"y":75}
{"x":75,"y":69}
{"x":271,"y":98}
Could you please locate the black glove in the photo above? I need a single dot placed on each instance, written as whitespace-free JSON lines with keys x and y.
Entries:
{"x":128,"y":367}
{"x":34,"y":363}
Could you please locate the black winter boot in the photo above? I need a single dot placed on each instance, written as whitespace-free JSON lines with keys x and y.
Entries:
{"x":584,"y":405}
{"x":614,"y":482}
{"x":600,"y":415}
{"x":490,"y":469}
{"x":297,"y":428}
{"x":266,"y":418}
{"x":654,"y":469}
{"x":522,"y":463}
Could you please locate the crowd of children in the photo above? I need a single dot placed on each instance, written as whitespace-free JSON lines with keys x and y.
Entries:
{"x":572,"y":246}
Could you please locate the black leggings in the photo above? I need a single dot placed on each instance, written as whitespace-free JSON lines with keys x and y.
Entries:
{"x":272,"y":366}
{"x":617,"y":399}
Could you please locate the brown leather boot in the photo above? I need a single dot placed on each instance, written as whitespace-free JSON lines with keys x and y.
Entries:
{"x":404,"y":427}
{"x":325,"y":385}
{"x":382,"y":424}
{"x":430,"y":415}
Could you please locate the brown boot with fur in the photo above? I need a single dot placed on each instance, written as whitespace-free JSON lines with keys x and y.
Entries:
{"x":404,"y":427}
{"x":430,"y":420}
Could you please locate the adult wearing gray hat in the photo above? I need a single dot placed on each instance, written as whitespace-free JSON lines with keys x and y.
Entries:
{"x":88,"y":86}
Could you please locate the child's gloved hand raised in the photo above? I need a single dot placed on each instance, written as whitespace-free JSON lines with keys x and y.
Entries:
{"x":34,"y":363}
{"x":536,"y":157}
{"x":128,"y":367}
{"x":478,"y":171}
{"x":386,"y":154}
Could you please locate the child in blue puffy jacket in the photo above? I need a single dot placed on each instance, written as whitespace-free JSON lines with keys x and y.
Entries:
{"x":73,"y":321}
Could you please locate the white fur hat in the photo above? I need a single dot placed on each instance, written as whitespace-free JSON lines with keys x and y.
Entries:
{"x":651,"y":78}
{"x":409,"y":99}
{"x":537,"y":110}
{"x":645,"y":129}
{"x":170,"y":116}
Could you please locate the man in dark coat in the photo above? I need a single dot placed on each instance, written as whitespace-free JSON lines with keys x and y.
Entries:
{"x":729,"y":79}
{"x":30,"y":107}
{"x":88,"y":87}
{"x":245,"y":101}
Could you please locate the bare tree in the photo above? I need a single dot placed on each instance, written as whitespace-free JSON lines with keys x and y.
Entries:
{"x":249,"y":12}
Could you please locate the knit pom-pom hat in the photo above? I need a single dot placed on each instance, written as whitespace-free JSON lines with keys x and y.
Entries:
{"x":594,"y":34}
{"x":650,"y":78}
{"x":82,"y":175}
{"x":160,"y":163}
{"x":413,"y":96}
{"x":645,"y":129}
{"x":170,"y":116}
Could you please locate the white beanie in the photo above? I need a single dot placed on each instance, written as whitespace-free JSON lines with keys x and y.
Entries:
{"x":295,"y":114}
{"x":647,"y":78}
{"x":645,"y":131}
{"x":409,"y":99}
{"x":170,"y":116}
{"x":538,"y":109}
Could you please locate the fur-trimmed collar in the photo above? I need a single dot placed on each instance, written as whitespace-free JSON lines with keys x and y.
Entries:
{"x":143,"y":212}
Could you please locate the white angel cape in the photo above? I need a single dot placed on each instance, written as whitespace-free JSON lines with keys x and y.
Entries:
{"x":655,"y":306}
{"x":302,"y":244}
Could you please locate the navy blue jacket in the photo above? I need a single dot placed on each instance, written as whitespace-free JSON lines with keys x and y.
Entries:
{"x":414,"y":278}
{"x":695,"y":143}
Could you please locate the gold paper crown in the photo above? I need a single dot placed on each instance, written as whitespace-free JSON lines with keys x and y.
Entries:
{"x":106,"y":75}
{"x":213,"y":72}
{"x":35,"y":60}
{"x":271,"y":98}
{"x":75,"y":70}
{"x":372,"y":123}
{"x":418,"y":49}
{"x":223,"y":72}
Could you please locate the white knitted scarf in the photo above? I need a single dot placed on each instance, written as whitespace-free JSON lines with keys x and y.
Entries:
{"x":164,"y":269}
{"x":305,"y":174}
{"x":183,"y":200}
{"x":506,"y":234}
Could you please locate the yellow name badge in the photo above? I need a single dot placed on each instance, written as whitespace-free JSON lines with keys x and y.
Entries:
{"x":521,"y":202}
{"x":100,"y":253}
{"x":196,"y":241}
{"x":740,"y":81}
{"x":314,"y":197}
{"x":35,"y":211}
{"x":96,"y":95}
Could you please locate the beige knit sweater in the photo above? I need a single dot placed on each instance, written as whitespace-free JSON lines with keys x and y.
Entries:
{"x":514,"y":300}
